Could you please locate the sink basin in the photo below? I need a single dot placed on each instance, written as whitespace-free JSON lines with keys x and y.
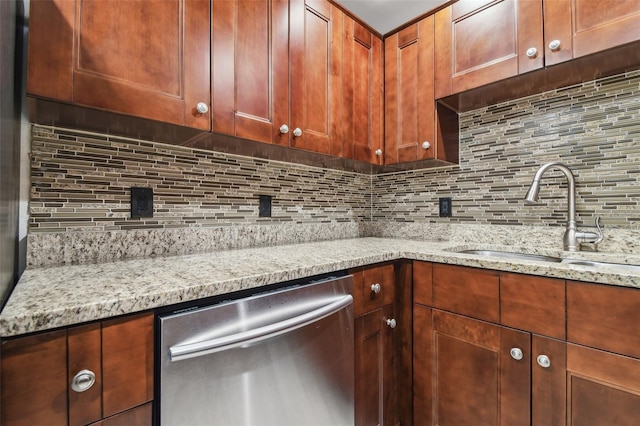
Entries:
{"x":513,"y":255}
{"x":597,"y":264}
{"x":553,"y":259}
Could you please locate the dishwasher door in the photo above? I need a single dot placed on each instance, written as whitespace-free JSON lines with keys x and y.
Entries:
{"x":279,"y":358}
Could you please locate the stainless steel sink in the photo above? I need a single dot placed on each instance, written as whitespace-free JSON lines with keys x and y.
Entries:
{"x":512,"y":255}
{"x":598,"y":265}
{"x":622,"y":267}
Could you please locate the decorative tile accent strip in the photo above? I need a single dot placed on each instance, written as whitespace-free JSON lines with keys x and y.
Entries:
{"x":594,"y":128}
{"x":81,"y":184}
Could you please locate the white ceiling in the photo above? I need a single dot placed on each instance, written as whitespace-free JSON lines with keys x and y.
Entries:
{"x":386,"y":15}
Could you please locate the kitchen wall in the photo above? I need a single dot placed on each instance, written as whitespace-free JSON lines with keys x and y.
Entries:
{"x":80,"y":199}
{"x":206,"y":201}
{"x":594,"y":128}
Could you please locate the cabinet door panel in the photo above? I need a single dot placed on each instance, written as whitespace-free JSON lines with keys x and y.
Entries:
{"x":375,"y":393}
{"x":487,"y":41}
{"x":548,"y":385}
{"x":584,"y":27}
{"x":316,"y":75}
{"x":145,"y":58}
{"x":409,"y":94}
{"x":34,"y":380}
{"x":362,"y":93}
{"x":127,"y":363}
{"x":250,"y":72}
{"x":603,"y":388}
{"x":476,"y":380}
{"x":84,"y":345}
{"x":422,"y":365}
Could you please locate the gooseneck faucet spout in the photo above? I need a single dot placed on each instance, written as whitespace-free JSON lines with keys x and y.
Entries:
{"x":572,"y":237}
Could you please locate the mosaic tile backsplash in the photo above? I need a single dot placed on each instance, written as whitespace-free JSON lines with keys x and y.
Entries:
{"x":594,"y":128}
{"x":206,"y":200}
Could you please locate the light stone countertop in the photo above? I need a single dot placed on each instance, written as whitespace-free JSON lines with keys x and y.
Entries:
{"x":51,"y":297}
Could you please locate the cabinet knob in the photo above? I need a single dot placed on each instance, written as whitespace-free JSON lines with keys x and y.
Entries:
{"x":284,"y":129}
{"x":516,"y":353}
{"x":202,"y":108}
{"x":392,"y":323}
{"x":376,"y":288}
{"x":83,"y":380}
{"x":554,"y":45}
{"x":543,"y":361}
{"x":297,"y":132}
{"x":532,"y":52}
{"x":378,"y":152}
{"x":426,"y":145}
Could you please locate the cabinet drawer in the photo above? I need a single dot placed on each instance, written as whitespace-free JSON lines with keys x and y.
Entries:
{"x":535,"y":304}
{"x":604,"y":317}
{"x":372,"y":288}
{"x":467,"y":291}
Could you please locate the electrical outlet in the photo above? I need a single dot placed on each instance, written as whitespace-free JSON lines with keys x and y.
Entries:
{"x":264,"y":206}
{"x":141,"y":202}
{"x":445,"y":207}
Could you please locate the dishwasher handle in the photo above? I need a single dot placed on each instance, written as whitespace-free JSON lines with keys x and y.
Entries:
{"x":193,"y":350}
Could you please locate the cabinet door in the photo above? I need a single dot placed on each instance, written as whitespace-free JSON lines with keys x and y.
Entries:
{"x":34,"y":380}
{"x":145,"y":58}
{"x":84,"y":344}
{"x":316,"y":75}
{"x":375,"y":392}
{"x":476,"y":380}
{"x":480,"y":42}
{"x":583,"y":27}
{"x":250,"y":69}
{"x":603,"y":388}
{"x":127,"y":363}
{"x":409,"y":94}
{"x":422,"y":365}
{"x":363,"y":88}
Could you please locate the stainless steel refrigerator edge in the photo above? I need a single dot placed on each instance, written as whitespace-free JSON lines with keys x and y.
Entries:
{"x":282,"y":358}
{"x":10,"y":101}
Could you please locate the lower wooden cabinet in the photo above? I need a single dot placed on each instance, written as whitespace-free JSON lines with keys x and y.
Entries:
{"x":556,"y":354}
{"x":39,"y":373}
{"x":377,"y":347}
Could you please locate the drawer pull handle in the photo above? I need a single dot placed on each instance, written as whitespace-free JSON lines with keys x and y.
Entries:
{"x":544,"y":361}
{"x":376,"y":288}
{"x":392,"y":323}
{"x":516,"y":353}
{"x":83,"y":380}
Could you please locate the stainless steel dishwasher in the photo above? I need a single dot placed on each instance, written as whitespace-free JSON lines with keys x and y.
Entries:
{"x":280,"y":358}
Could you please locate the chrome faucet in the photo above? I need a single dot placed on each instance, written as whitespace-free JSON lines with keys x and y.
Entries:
{"x":572,"y":237}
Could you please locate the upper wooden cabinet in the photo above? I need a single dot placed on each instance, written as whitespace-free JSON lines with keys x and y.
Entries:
{"x":480,"y":42}
{"x":145,"y":58}
{"x":250,"y":69}
{"x":363,"y":121}
{"x":409,"y":94}
{"x":581,"y":27}
{"x":277,"y":72}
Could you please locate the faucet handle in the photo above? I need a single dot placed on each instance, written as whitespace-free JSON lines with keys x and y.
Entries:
{"x":591,"y":237}
{"x":600,"y":233}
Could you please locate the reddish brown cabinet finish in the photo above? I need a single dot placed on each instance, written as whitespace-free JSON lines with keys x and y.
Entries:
{"x":250,"y":69}
{"x":480,"y":42}
{"x":145,"y":58}
{"x":409,"y":94}
{"x":583,"y":27}
{"x":37,"y":372}
{"x":378,"y":347}
{"x":315,"y":49}
{"x":363,"y":121}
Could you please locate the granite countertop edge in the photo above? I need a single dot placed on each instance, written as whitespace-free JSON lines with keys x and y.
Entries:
{"x":53,"y":297}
